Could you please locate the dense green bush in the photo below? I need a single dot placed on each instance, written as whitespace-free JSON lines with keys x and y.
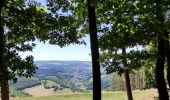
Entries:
{"x":15,"y":93}
{"x":25,"y":83}
{"x":63,"y":81}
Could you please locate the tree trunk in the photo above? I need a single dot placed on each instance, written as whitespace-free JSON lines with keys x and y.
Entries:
{"x":94,"y":51}
{"x":167,"y":50}
{"x":161,"y":85}
{"x":4,"y":90}
{"x":127,"y":78}
{"x":3,"y":69}
{"x":1,"y":42}
{"x":168,"y":67}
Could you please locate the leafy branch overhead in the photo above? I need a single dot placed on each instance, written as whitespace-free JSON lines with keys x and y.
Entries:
{"x":23,"y":23}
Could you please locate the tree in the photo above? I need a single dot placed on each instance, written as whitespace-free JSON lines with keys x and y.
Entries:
{"x":119,"y":32}
{"x":135,"y":21}
{"x":149,"y":71}
{"x":23,"y":22}
{"x":158,"y":26}
{"x":115,"y":62}
{"x":12,"y":65}
{"x":163,"y":94}
{"x":127,"y":78}
{"x":151,"y":17}
{"x":78,"y":10}
{"x":94,"y":51}
{"x":149,"y":66}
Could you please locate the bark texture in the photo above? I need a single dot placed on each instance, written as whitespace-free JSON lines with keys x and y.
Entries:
{"x":4,"y":90}
{"x":3,"y":69}
{"x":94,"y":51}
{"x":161,"y":84}
{"x":126,"y":73}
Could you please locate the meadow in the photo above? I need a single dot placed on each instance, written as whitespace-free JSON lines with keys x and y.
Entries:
{"x":118,"y":95}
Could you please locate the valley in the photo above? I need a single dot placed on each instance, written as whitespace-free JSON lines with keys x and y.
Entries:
{"x":58,"y":77}
{"x":72,"y":80}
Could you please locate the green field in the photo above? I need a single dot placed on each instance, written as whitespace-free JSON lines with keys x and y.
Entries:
{"x":138,"y":95}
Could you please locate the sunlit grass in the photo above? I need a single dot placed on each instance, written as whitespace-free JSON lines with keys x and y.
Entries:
{"x":138,"y":95}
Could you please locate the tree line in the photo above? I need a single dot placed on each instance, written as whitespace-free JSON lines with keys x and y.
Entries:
{"x":122,"y":29}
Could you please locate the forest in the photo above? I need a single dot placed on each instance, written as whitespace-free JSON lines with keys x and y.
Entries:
{"x":126,"y":37}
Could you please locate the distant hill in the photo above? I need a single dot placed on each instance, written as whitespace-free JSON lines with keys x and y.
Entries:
{"x":76,"y":71}
{"x":76,"y":75}
{"x":70,"y":68}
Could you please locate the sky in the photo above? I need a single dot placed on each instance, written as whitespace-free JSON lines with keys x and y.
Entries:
{"x":53,"y":52}
{"x":70,"y":53}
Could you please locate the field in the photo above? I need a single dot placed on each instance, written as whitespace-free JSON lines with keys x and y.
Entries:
{"x":39,"y":91}
{"x":119,"y":95}
{"x":57,"y":80}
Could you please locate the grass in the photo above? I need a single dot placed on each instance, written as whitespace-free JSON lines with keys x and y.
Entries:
{"x":106,"y":96}
{"x":14,"y":93}
{"x":51,"y":83}
{"x":65,"y":90}
{"x":138,"y":95}
{"x":39,"y":91}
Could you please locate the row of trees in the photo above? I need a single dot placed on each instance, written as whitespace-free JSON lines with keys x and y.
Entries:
{"x":137,"y":24}
{"x":138,"y":82}
{"x":123,"y":25}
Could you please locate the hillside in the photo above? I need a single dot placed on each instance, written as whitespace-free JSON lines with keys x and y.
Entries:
{"x":74,"y":75}
{"x":62,"y":80}
{"x":69,"y":73}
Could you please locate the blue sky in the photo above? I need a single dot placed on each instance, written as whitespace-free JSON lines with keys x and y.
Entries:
{"x":53,"y":52}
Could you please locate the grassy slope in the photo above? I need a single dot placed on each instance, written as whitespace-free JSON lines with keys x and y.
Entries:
{"x":51,"y":83}
{"x":39,"y":91}
{"x":23,"y":83}
{"x":138,"y":95}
